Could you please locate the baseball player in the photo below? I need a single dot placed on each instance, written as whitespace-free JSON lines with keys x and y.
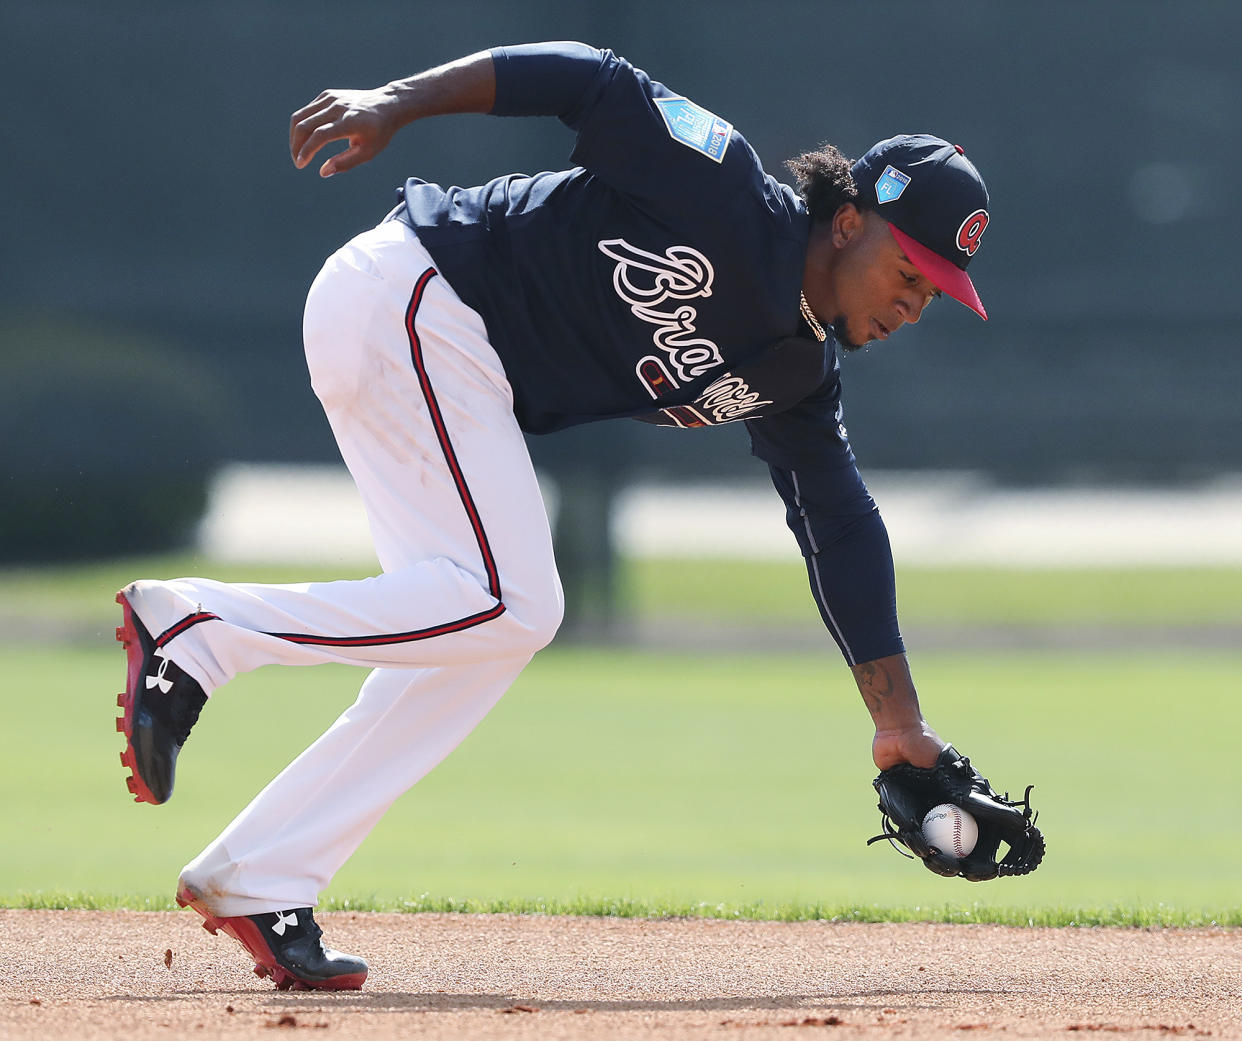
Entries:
{"x":663,"y":277}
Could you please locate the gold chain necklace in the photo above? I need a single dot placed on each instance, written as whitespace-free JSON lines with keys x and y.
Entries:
{"x":811,"y":320}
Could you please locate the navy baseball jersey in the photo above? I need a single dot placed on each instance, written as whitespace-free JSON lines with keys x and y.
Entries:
{"x":659,"y":279}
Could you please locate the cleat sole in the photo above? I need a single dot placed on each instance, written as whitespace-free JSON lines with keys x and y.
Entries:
{"x":127,"y":636}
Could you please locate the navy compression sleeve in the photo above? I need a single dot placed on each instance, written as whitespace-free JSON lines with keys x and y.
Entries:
{"x":848,"y":560}
{"x":543,"y":79}
{"x":839,"y":530}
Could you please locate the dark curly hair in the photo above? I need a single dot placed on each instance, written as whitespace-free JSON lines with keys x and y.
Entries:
{"x":824,"y":180}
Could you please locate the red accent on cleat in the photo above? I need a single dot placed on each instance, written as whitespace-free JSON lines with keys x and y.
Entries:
{"x":128,"y":637}
{"x":245,"y":932}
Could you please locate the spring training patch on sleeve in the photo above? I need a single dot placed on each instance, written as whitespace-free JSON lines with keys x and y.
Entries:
{"x":695,"y":127}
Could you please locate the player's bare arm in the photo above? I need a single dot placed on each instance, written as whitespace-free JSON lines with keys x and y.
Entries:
{"x":902,"y":735}
{"x":368,"y":119}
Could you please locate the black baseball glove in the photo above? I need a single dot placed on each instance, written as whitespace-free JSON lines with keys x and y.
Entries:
{"x":908,"y":792}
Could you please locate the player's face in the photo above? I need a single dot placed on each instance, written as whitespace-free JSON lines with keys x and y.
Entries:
{"x":874,"y":287}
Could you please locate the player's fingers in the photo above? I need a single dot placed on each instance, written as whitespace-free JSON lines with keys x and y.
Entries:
{"x":305,"y":120}
{"x":356,"y":154}
{"x":300,"y":131}
{"x":317,"y":139}
{"x":322,"y":100}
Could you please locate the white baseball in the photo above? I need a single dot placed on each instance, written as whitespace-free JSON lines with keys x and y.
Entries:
{"x":951,"y":830}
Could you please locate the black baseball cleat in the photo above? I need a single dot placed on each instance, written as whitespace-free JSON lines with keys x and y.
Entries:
{"x":286,"y":946}
{"x":161,"y":704}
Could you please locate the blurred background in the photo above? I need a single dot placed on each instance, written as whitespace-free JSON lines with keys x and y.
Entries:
{"x":1063,"y":478}
{"x":158,"y":243}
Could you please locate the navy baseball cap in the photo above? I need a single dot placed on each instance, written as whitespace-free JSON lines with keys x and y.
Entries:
{"x":936,"y":204}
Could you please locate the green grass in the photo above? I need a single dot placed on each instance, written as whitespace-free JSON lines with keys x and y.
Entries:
{"x":629,"y":782}
{"x":1158,"y":917}
{"x":729,"y":783}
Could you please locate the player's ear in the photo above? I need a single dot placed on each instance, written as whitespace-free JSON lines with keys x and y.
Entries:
{"x":847,"y":224}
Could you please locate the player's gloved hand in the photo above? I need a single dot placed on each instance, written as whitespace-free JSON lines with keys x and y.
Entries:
{"x":908,"y":792}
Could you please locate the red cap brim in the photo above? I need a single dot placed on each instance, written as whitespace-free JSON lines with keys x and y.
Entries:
{"x":944,"y":275}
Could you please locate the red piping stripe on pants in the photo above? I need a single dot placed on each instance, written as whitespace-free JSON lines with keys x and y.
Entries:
{"x":467,"y":501}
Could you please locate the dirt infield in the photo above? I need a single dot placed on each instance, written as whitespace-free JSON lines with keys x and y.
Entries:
{"x":85,"y":974}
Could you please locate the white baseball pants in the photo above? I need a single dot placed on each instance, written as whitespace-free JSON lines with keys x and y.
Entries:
{"x":423,"y":414}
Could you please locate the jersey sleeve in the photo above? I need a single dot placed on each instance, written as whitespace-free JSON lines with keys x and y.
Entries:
{"x":836,"y":523}
{"x":545,"y":79}
{"x":634,"y":133}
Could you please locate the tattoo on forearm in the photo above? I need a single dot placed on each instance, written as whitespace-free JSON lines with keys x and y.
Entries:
{"x":876,"y":684}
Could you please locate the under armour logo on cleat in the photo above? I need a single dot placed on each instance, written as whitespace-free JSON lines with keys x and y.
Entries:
{"x":282,"y":923}
{"x":159,"y":679}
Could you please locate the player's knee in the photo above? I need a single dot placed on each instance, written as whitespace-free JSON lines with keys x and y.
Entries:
{"x":538,"y":617}
{"x":550,"y":619}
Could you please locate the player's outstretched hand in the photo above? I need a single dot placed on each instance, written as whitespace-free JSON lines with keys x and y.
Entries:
{"x":367,"y":119}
